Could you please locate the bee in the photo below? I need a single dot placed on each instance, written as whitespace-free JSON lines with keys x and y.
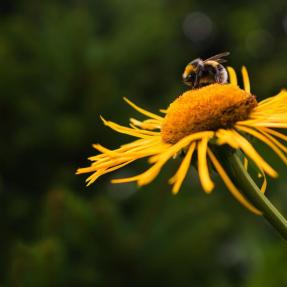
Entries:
{"x":199,"y":73}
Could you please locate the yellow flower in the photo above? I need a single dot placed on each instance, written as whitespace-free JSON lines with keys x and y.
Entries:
{"x":196,"y":121}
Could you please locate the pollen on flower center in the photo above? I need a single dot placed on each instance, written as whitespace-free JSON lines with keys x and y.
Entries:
{"x":208,"y":108}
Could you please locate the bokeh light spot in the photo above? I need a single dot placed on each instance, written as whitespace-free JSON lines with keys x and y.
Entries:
{"x":197,"y":27}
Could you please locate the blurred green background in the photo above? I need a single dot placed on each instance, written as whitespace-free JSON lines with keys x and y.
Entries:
{"x":62,"y":64}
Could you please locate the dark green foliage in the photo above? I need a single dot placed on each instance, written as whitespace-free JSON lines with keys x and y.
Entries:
{"x":62,"y":63}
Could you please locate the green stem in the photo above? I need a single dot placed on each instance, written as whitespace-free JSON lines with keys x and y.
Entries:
{"x":233,"y":166}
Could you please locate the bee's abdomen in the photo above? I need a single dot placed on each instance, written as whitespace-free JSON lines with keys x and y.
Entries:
{"x":213,"y":73}
{"x":221,"y":74}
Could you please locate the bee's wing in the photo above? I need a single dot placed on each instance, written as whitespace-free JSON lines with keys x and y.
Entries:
{"x":218,"y":57}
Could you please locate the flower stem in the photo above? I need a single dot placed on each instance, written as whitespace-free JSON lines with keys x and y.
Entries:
{"x":233,"y":166}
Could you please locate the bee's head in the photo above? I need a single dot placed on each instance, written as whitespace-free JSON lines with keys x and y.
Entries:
{"x":191,"y":73}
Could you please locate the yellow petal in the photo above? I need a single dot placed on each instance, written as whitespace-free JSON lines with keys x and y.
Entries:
{"x":245,"y":163}
{"x":203,"y":172}
{"x":149,"y":124}
{"x":178,"y":178}
{"x":246,"y":82}
{"x":161,"y":158}
{"x":275,"y":141}
{"x":252,"y":153}
{"x":126,"y":130}
{"x":151,"y":173}
{"x":264,"y":139}
{"x":229,"y":184}
{"x":100,"y":172}
{"x":275,"y":133}
{"x":142,"y":111}
{"x":264,"y":184}
{"x":232,"y":76}
{"x":226,"y":137}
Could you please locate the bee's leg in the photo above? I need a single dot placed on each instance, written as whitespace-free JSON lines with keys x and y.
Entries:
{"x":196,"y":82}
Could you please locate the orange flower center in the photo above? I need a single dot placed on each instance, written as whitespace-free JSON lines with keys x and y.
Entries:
{"x":209,"y":108}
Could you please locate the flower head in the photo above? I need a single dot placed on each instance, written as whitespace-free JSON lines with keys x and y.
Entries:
{"x":194,"y":123}
{"x":207,"y":109}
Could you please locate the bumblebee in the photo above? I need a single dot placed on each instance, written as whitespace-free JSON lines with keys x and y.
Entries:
{"x":199,"y":73}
